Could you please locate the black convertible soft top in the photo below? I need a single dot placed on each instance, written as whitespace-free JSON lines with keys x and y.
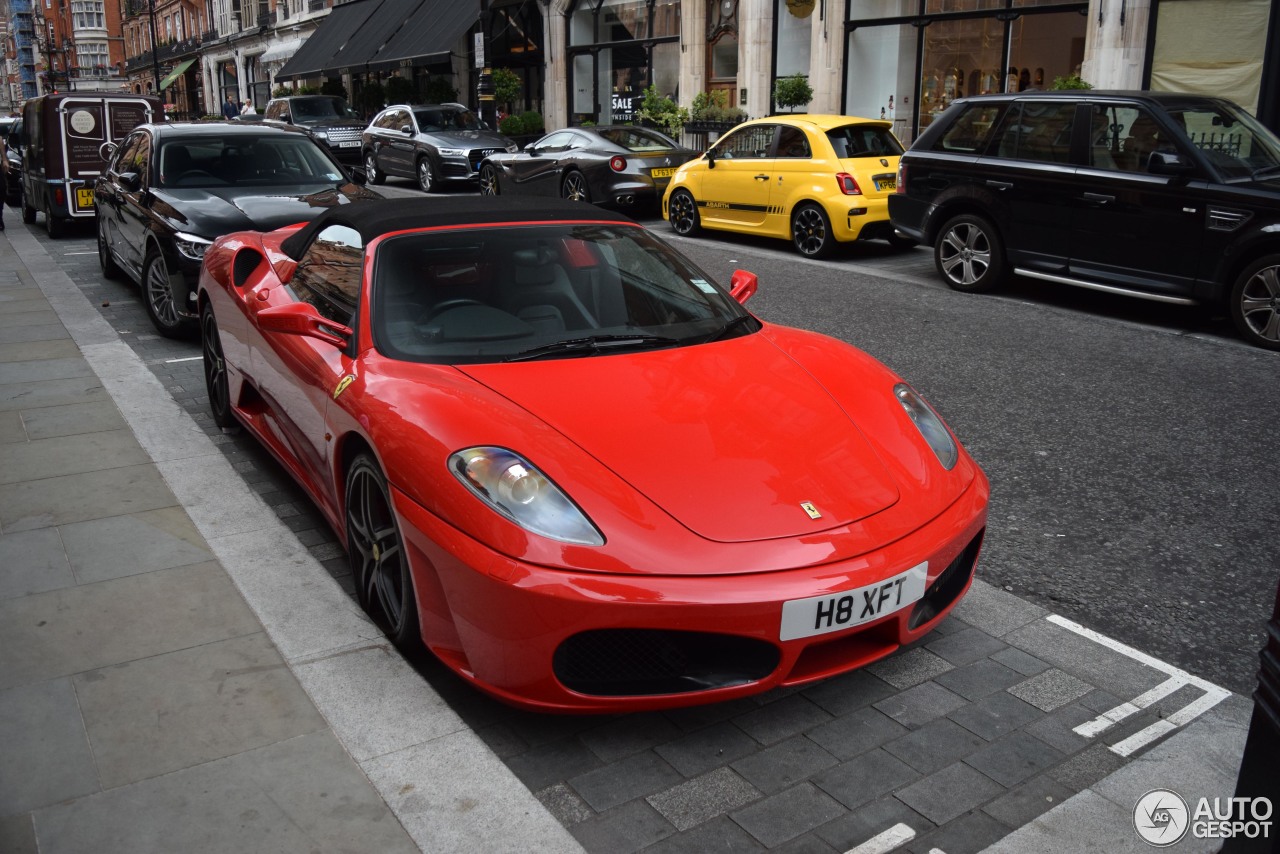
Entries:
{"x":375,"y":217}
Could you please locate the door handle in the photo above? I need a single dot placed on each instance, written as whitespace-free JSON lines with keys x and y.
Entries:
{"x":762,"y":177}
{"x":1098,"y":199}
{"x":1000,"y":185}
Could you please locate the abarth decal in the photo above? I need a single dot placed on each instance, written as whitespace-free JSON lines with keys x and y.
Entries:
{"x":729,"y":206}
{"x":342,"y":385}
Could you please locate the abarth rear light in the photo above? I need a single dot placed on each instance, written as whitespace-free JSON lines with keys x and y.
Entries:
{"x":617,"y":163}
{"x":848,"y":184}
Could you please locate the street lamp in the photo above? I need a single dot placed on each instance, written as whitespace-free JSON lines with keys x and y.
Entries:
{"x":155,"y":47}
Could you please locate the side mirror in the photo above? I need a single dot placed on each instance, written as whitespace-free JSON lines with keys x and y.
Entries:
{"x":407,"y":130}
{"x":300,"y":318}
{"x":131,"y":181}
{"x":1169,"y":163}
{"x":743,"y":285}
{"x":357,"y":175}
{"x":711,"y":158}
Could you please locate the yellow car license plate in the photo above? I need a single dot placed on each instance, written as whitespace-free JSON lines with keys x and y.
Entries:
{"x":888,"y":184}
{"x":663,"y":173}
{"x":84,"y":197}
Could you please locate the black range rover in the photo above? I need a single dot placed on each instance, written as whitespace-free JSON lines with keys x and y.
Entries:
{"x":1162,"y":196}
{"x":327,"y":118}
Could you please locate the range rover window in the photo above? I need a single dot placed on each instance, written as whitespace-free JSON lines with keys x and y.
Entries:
{"x":1233,"y":141}
{"x":1124,"y":136}
{"x":971,"y":130}
{"x":1037,"y":130}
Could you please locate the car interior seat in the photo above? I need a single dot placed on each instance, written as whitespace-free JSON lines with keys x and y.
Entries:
{"x":541,"y":289}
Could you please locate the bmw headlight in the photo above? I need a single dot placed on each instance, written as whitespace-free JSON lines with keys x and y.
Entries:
{"x":191,"y":246}
{"x":929,"y":425}
{"x":514,"y":488}
{"x":452,"y":152}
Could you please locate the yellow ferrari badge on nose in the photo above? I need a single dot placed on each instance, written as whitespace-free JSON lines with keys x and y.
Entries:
{"x":342,"y":385}
{"x":811,"y":510}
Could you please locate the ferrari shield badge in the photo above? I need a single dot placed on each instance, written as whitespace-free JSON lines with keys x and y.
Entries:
{"x":342,"y":385}
{"x":810,"y":509}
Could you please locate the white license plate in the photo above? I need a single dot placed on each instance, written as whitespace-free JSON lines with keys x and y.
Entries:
{"x":352,"y":144}
{"x":818,"y":615}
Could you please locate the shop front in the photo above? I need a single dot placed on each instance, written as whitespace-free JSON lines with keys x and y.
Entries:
{"x":617,"y":49}
{"x":907,"y":60}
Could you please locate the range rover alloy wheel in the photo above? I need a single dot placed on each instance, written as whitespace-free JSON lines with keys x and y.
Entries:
{"x":969,"y":254}
{"x":1255,"y":302}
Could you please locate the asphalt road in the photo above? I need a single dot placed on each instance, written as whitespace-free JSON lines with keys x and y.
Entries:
{"x":1129,"y":445}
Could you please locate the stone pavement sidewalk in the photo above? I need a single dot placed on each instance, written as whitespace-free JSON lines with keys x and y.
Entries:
{"x":177,"y":672}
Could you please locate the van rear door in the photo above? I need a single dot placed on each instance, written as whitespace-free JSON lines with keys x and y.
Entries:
{"x":86,"y":123}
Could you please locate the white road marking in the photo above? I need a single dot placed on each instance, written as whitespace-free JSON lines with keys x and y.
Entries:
{"x":1213,"y":695}
{"x":885,"y":841}
{"x":187,"y":359}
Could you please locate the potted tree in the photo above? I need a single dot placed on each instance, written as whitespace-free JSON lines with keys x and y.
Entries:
{"x":792,"y":92}
{"x":662,"y":113}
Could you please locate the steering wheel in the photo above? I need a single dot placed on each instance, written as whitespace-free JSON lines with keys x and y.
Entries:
{"x":193,"y":174}
{"x":441,"y":307}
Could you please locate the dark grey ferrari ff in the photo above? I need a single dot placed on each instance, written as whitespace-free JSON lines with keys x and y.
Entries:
{"x":170,"y":189}
{"x":619,"y":165}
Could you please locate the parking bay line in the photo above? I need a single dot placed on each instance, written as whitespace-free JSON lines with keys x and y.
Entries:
{"x":1213,"y":695}
{"x":885,"y":841}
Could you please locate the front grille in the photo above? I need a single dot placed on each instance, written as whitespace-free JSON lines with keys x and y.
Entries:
{"x":949,"y":584}
{"x":343,"y":134}
{"x":640,"y":662}
{"x":478,"y":154}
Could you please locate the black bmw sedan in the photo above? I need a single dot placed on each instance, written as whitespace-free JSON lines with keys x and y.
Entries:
{"x":170,"y":189}
{"x":617,"y":165}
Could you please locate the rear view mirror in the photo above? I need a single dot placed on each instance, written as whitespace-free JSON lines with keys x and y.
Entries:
{"x":131,"y":181}
{"x":743,"y":285}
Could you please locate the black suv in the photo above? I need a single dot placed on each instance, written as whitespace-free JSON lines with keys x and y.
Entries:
{"x":433,"y":143}
{"x":1167,"y":197}
{"x":327,"y":118}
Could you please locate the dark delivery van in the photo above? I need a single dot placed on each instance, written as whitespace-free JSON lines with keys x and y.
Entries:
{"x":63,"y":139}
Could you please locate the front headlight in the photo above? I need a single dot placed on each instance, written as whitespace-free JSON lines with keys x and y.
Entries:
{"x":514,"y":488}
{"x":512,"y":148}
{"x":929,"y":425}
{"x":321,"y":135}
{"x":452,"y":152}
{"x":191,"y":246}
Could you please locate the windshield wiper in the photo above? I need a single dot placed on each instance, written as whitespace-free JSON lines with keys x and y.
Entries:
{"x":731,"y":326}
{"x":593,"y":345}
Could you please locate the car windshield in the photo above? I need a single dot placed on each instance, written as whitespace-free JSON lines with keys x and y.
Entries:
{"x":281,"y":159}
{"x":863,"y":141}
{"x":319,"y":109}
{"x":436,"y":120}
{"x":538,"y":292}
{"x":1232,"y":140}
{"x":638,"y":139}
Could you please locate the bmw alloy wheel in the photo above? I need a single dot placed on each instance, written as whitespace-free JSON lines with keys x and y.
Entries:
{"x":158,"y":297}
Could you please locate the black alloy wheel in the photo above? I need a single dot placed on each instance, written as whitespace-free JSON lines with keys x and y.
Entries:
{"x":215,"y":371}
{"x":574,"y":188}
{"x":372,"y":174}
{"x":489,"y":180}
{"x":375,"y":550}
{"x":55,"y":226}
{"x":969,"y":254}
{"x":159,"y":299}
{"x":682,"y":213}
{"x":1255,"y":303}
{"x":426,"y":175}
{"x":110,"y":268}
{"x":811,"y":231}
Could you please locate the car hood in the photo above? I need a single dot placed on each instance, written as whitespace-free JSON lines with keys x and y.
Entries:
{"x":327,"y":124}
{"x":211,"y":211}
{"x":732,"y":446}
{"x":468,"y":139}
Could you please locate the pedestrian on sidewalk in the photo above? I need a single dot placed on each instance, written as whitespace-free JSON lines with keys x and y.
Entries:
{"x":4,"y":178}
{"x":230,"y":110}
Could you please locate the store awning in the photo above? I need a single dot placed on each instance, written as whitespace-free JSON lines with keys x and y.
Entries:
{"x":176,"y":73}
{"x":317,"y":52}
{"x":430,"y":36}
{"x":392,"y":16}
{"x":280,"y":51}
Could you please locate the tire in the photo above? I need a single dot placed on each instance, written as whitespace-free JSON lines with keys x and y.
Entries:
{"x":55,"y":226}
{"x":158,"y":298}
{"x":811,"y":231}
{"x":682,"y":213}
{"x":489,"y":180}
{"x":379,"y":570}
{"x":215,"y":372}
{"x":574,"y":187}
{"x":28,"y":212}
{"x":372,"y":174}
{"x":1255,"y":303}
{"x":426,"y":175}
{"x":969,"y":254}
{"x":110,"y":268}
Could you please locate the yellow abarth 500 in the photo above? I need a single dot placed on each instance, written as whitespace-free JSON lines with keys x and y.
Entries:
{"x":818,"y":180}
